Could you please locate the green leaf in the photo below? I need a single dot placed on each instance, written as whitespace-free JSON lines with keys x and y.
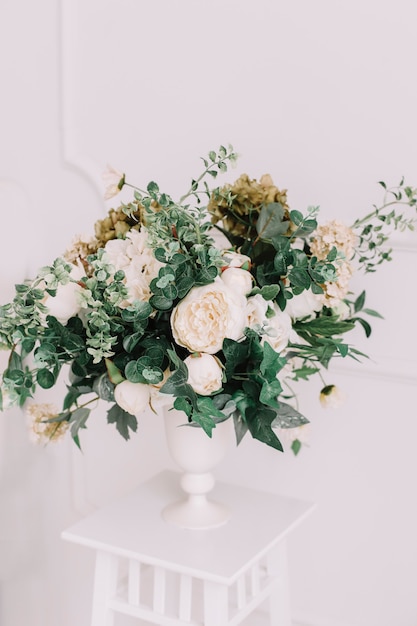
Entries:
{"x":45,"y":378}
{"x":78,"y":420}
{"x":161,"y":303}
{"x":235,"y":353}
{"x":114,"y":373}
{"x":104,"y":388}
{"x":259,"y":424}
{"x":299,"y":278}
{"x":359,"y":302}
{"x":270,"y":392}
{"x":296,"y":446}
{"x":124,"y":421}
{"x":325,"y":326}
{"x":271,"y":363}
{"x":268,"y":292}
{"x":288,"y":417}
{"x":271,"y":222}
{"x":152,"y":188}
{"x":372,"y":313}
{"x":132,"y":372}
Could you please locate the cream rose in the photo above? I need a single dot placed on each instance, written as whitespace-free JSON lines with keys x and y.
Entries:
{"x":66,"y":303}
{"x":237,"y":279}
{"x":306,"y":303}
{"x":278,"y":329}
{"x":208,"y":315}
{"x":132,"y":397}
{"x":256,"y":309}
{"x":204,"y":373}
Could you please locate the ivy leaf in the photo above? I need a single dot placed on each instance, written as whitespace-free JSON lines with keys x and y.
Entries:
{"x":288,"y":417}
{"x":259,"y":424}
{"x":235,"y":353}
{"x":124,"y":421}
{"x":78,"y":420}
{"x":270,"y":392}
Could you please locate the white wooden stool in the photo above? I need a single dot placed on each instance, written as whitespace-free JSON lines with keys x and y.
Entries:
{"x":164,"y":575}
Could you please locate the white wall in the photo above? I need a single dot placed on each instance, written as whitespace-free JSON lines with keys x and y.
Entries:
{"x":321,"y":95}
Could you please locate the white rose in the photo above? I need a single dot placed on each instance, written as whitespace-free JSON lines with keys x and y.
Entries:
{"x":306,"y":303}
{"x":237,"y":279}
{"x":66,"y":303}
{"x":235,"y":259}
{"x":208,"y":315}
{"x":132,"y":397}
{"x":256,"y":309}
{"x":204,"y":373}
{"x":278,"y":330}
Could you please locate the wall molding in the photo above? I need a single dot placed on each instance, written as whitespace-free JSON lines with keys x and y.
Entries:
{"x":72,"y":158}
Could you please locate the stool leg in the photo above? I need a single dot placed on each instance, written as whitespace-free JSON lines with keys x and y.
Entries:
{"x":105,"y":582}
{"x":216,"y":604}
{"x":279,"y":602}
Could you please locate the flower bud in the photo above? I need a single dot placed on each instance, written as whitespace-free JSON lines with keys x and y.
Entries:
{"x":331,"y":397}
{"x":132,"y":397}
{"x":204,"y":373}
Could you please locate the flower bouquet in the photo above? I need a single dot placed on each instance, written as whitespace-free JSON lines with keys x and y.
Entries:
{"x":220,"y":302}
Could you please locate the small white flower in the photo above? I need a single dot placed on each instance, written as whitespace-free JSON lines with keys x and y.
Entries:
{"x":132,"y":397}
{"x":237,"y":279}
{"x":113,"y":181}
{"x":204,"y":373}
{"x":331,"y":397}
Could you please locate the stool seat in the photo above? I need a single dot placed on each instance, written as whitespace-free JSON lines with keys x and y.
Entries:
{"x":152,"y":570}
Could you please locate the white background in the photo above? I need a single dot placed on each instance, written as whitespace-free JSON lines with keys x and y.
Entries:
{"x":322,"y":95}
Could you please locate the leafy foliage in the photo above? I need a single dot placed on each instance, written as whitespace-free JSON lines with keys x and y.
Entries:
{"x":113,"y":338}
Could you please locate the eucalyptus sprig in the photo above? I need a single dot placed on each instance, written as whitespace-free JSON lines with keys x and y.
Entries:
{"x":376,"y":228}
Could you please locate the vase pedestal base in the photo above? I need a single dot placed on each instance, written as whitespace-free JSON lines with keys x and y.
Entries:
{"x":196,"y":512}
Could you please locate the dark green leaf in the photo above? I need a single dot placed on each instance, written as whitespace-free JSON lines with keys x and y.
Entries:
{"x":45,"y":378}
{"x":124,"y":421}
{"x":288,"y":417}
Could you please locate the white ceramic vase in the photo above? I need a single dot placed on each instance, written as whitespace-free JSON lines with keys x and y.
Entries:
{"x":196,"y":454}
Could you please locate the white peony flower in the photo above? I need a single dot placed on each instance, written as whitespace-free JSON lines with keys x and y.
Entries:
{"x":306,"y":303}
{"x":136,"y":259}
{"x":331,"y":397}
{"x":204,"y":373}
{"x":132,"y":397}
{"x":208,"y":315}
{"x":66,"y":303}
{"x":278,"y":330}
{"x":237,"y":279}
{"x":113,"y":181}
